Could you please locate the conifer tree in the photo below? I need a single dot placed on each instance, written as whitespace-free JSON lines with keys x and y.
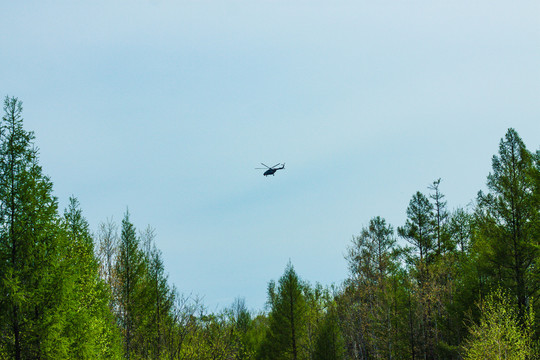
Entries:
{"x":287,"y":319}
{"x":506,"y":217}
{"x":418,"y":229}
{"x":30,"y":283}
{"x":157,"y":296}
{"x":419,"y":232}
{"x":130,"y":272}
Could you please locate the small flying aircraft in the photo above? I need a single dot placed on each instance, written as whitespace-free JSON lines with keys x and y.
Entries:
{"x":273,"y":169}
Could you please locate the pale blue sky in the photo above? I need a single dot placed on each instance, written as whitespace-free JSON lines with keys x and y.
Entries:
{"x":166,"y":107}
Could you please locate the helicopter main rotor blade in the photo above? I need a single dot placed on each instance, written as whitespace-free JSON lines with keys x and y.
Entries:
{"x":266,"y":165}
{"x":275,"y":165}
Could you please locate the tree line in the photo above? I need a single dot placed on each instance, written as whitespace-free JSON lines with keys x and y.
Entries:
{"x":446,"y":284}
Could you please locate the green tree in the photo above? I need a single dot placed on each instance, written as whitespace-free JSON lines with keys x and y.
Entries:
{"x":499,"y":335}
{"x":460,"y":230}
{"x":89,"y":323}
{"x":130,"y":273}
{"x":419,"y":231}
{"x":107,"y":240}
{"x":330,"y":344}
{"x":180,"y":327}
{"x":317,"y":299}
{"x":287,"y":318}
{"x":245,"y":327}
{"x":506,"y":217}
{"x":31,"y":285}
{"x":368,"y":304}
{"x":158,"y":298}
{"x":372,"y":253}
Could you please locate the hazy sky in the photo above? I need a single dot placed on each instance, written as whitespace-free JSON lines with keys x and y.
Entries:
{"x":166,"y":108}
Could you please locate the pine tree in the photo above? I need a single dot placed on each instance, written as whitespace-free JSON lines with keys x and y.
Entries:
{"x":506,"y":217}
{"x":157,"y":296}
{"x":30,"y":284}
{"x":130,"y":272}
{"x":287,"y":319}
{"x":419,"y":231}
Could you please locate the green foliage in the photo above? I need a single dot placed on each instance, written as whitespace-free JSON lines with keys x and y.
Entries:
{"x":373,"y":307}
{"x":318,"y":300}
{"x":330,"y":344}
{"x":507,"y":219}
{"x":131,"y":269}
{"x":52,"y":301}
{"x":460,"y":231}
{"x":499,"y":335}
{"x":32,"y":285}
{"x":214,"y":337}
{"x":158,"y":298}
{"x":419,"y":226}
{"x":256,"y":333}
{"x":285,"y":336}
{"x":372,"y":254}
{"x":91,"y":328}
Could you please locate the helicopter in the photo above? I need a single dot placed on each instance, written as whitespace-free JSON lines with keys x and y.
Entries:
{"x":273,"y":169}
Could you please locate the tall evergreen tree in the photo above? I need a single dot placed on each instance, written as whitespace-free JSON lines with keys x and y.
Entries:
{"x":130,"y":272}
{"x":419,"y":229}
{"x":506,"y":217}
{"x":158,"y":297}
{"x":287,"y":319}
{"x":30,"y":283}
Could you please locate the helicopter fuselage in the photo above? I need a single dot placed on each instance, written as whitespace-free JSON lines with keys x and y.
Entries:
{"x":273,"y":169}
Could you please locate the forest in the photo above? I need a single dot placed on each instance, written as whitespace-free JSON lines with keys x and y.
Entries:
{"x":463,"y":284}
